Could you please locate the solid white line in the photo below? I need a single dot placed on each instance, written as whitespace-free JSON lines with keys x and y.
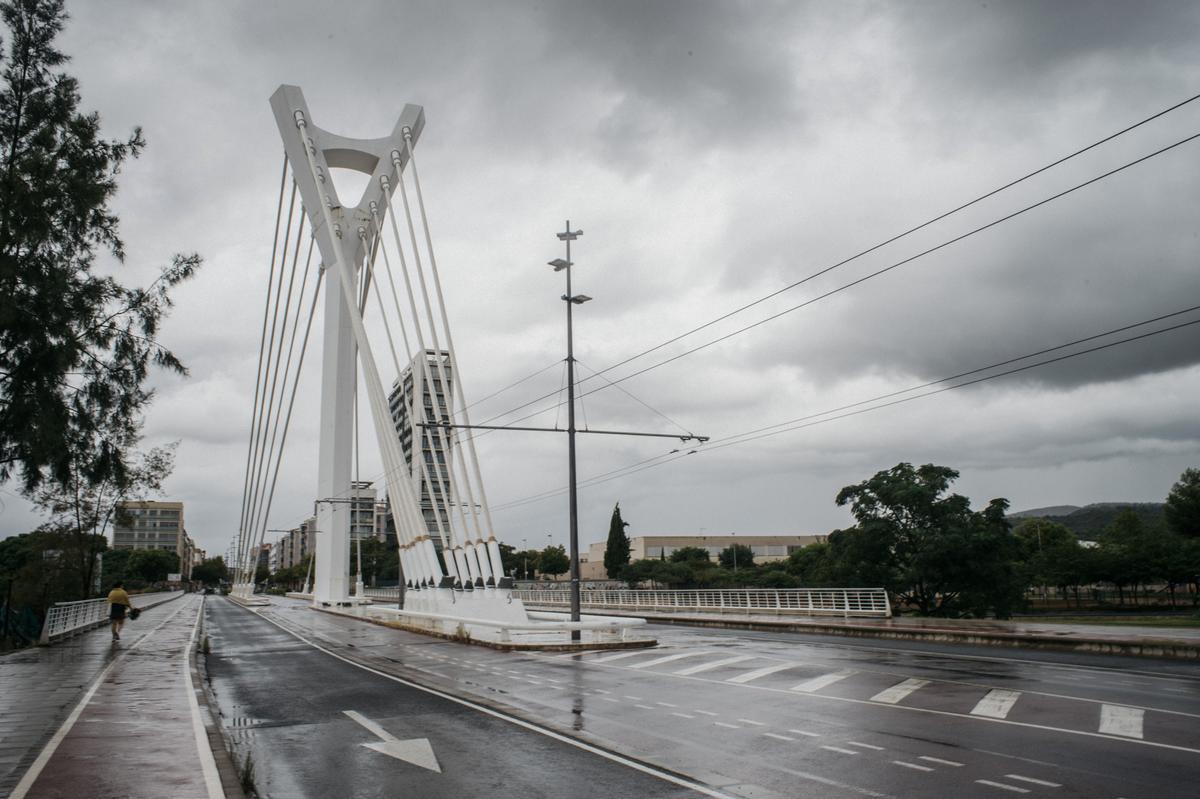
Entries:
{"x":897,"y":692}
{"x":865,"y":746}
{"x":752,"y":722}
{"x":806,"y":732}
{"x":912,"y":765}
{"x":612,"y":756}
{"x":817,"y":683}
{"x":1012,"y":788}
{"x":716,"y":664}
{"x":1123,"y":721}
{"x":1032,"y":780}
{"x":840,"y":749}
{"x":996,"y":704}
{"x":777,"y":735}
{"x":763,"y":672}
{"x":666,"y":659}
{"x":939,"y":760}
{"x":52,"y":745}
{"x":208,"y":764}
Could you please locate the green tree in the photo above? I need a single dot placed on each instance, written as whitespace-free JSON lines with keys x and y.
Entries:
{"x":76,"y":345}
{"x":616,"y":551}
{"x":1183,"y":505}
{"x":508,"y":559}
{"x":212,"y":571}
{"x":737,"y":556}
{"x":930,"y":549}
{"x":152,"y":565}
{"x":526,"y":562}
{"x":554,"y":561}
{"x":812,"y":565}
{"x":691,"y":555}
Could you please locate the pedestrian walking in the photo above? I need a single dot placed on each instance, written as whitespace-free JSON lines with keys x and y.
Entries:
{"x":118,"y":604}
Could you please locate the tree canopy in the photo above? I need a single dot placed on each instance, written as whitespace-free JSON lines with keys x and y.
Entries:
{"x":616,"y":551}
{"x":76,"y":345}
{"x":1183,"y":505}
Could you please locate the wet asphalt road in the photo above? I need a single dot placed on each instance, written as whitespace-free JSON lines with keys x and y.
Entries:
{"x":775,"y":715}
{"x":285,"y":703}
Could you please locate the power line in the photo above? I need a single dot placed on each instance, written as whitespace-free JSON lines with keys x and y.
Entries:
{"x":862,"y":279}
{"x":854,"y":409}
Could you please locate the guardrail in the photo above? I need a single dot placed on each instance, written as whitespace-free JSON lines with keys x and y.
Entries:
{"x":66,"y":618}
{"x":846,"y":602}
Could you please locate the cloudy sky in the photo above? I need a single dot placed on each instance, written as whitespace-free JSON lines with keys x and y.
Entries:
{"x":713,"y":153}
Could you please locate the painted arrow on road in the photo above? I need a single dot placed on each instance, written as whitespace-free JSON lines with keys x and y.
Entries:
{"x":417,"y":751}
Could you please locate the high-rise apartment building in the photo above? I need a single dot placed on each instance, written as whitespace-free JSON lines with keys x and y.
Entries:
{"x":362,"y":510}
{"x":412,"y":384}
{"x":147,"y":524}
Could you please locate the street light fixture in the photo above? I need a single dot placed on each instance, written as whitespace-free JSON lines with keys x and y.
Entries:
{"x":563,"y":265}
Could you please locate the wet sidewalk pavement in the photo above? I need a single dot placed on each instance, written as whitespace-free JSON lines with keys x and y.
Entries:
{"x":92,"y":717}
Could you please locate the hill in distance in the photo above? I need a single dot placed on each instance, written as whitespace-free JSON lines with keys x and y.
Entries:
{"x":1089,"y":521}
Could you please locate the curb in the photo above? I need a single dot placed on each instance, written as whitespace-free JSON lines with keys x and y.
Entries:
{"x":226,"y":767}
{"x":1151,"y":648}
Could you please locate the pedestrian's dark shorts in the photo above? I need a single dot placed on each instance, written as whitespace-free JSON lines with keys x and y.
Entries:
{"x":116,"y":612}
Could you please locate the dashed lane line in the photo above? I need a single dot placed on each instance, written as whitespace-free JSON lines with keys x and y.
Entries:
{"x":666,"y":704}
{"x":1033,"y":781}
{"x":840,"y":750}
{"x":806,"y":733}
{"x":646,"y":707}
{"x":817,"y":683}
{"x":914,"y":766}
{"x":893,"y":695}
{"x":996,"y":704}
{"x":778,"y":736}
{"x":864,"y":746}
{"x":727,"y":726}
{"x":939,"y":760}
{"x":1121,"y":720}
{"x":752,"y":722}
{"x":683,"y":715}
{"x":1002,"y":786}
{"x":763,"y":672}
{"x":716,"y":664}
{"x":632,"y":698}
{"x":704,"y":712}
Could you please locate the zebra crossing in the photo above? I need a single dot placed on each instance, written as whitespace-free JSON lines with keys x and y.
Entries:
{"x":883,"y":688}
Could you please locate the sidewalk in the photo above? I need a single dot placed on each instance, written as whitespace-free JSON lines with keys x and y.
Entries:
{"x":90,"y":717}
{"x":1182,"y":643}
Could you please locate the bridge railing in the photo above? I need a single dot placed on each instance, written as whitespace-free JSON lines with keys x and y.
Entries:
{"x":846,"y":602}
{"x":66,"y":618}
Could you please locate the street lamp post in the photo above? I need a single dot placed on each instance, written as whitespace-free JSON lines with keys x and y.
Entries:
{"x":571,"y":300}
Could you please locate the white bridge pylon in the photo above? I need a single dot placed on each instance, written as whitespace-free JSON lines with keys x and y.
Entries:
{"x":350,"y":240}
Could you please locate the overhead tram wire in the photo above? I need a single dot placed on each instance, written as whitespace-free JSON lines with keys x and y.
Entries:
{"x":513,"y":385}
{"x":814,"y":419}
{"x":852,"y":283}
{"x":261,"y":348}
{"x":634,"y":397}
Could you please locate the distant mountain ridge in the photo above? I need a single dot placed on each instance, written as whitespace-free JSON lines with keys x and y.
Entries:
{"x":1089,"y":521}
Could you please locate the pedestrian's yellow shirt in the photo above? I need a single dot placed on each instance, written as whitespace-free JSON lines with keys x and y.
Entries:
{"x":117,"y":596}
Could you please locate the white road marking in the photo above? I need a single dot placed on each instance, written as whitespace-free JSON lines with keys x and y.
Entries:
{"x":939,"y":760}
{"x":729,"y":726}
{"x":669,"y":659}
{"x":817,"y":683}
{"x":912,"y":765}
{"x":600,"y":691}
{"x":704,"y":712}
{"x":610,"y":699}
{"x":666,"y":704}
{"x":633,"y":698}
{"x":840,"y":749}
{"x":716,"y":664}
{"x":763,"y":672}
{"x":778,"y":736}
{"x":1032,"y":780}
{"x":683,"y":715}
{"x":806,"y":732}
{"x":1012,"y":788}
{"x":865,"y":746}
{"x":897,"y":692}
{"x":752,"y":722}
{"x":996,"y":704}
{"x":1123,"y":721}
{"x":618,"y":656}
{"x":417,"y":751}
{"x":646,"y":707}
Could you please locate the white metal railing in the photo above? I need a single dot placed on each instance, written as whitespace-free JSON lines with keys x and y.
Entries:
{"x":64,"y":618}
{"x":870,"y":602}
